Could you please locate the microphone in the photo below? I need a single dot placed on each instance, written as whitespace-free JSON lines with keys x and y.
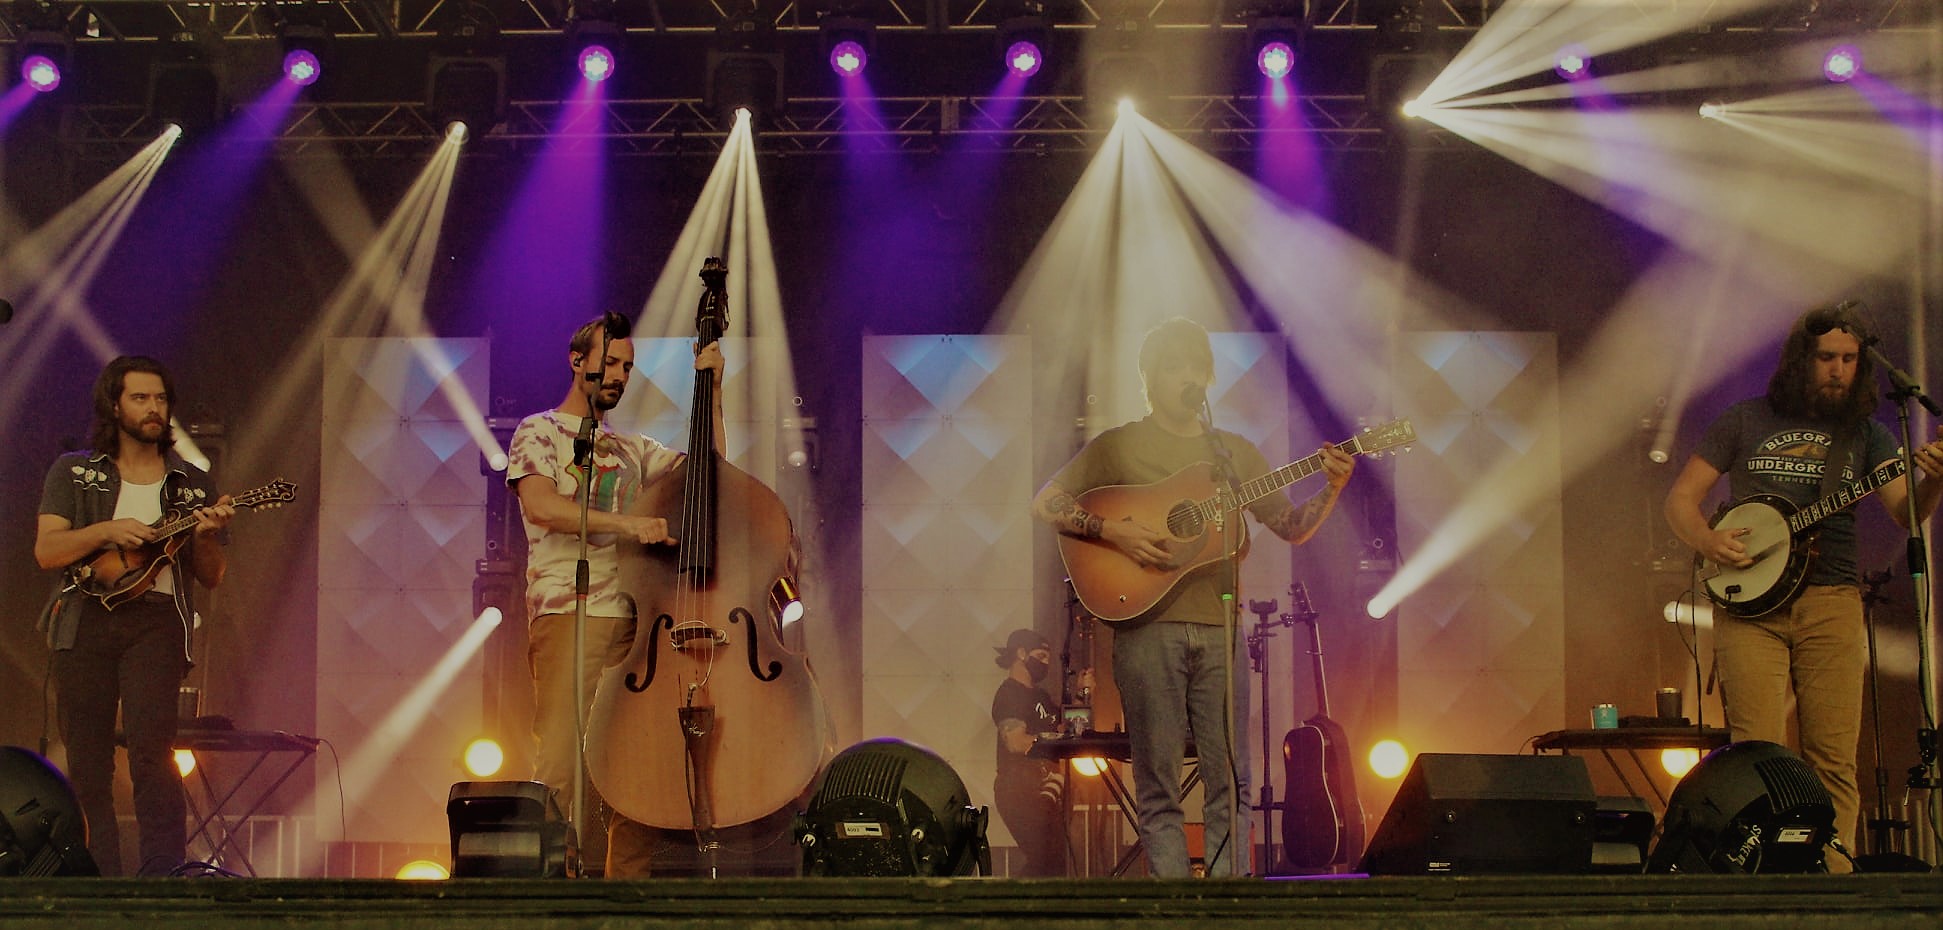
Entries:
{"x":613,"y":326}
{"x":6,"y":311}
{"x":1824,"y":322}
{"x":1194,"y":396}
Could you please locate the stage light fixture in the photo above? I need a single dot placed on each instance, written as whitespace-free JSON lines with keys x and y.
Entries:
{"x":305,"y":48}
{"x":42,"y":831}
{"x":1842,"y":64}
{"x":1024,"y":35}
{"x":484,"y":758}
{"x":1090,"y":766}
{"x":1712,"y":110}
{"x":594,"y":40}
{"x":1748,"y":807}
{"x":1121,"y":73}
{"x":745,"y":71}
{"x":186,"y":79}
{"x":465,"y":77}
{"x":1275,"y":61}
{"x":885,"y":807}
{"x":500,"y":830}
{"x":422,"y":870}
{"x":1275,"y":36}
{"x":40,"y":72}
{"x":847,"y":42}
{"x":1573,"y":63}
{"x":1388,"y":759}
{"x":1397,"y":82}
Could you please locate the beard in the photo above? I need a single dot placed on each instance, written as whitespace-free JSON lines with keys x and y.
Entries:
{"x":148,"y":431}
{"x":1828,"y":402}
{"x":603,"y":402}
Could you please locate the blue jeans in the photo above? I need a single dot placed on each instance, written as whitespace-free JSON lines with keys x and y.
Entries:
{"x":1173,"y":682}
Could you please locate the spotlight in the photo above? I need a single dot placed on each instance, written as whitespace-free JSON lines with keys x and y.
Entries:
{"x":1712,"y":110}
{"x":1024,"y":34}
{"x":1121,"y":73}
{"x":43,"y":56}
{"x":1275,"y":60}
{"x":744,"y":69}
{"x":40,"y":72}
{"x":1023,"y":58}
{"x":886,"y":807}
{"x":1842,"y":64}
{"x":185,"y":762}
{"x":465,"y":77}
{"x":300,"y":67}
{"x":1678,"y":762}
{"x":1412,"y":109}
{"x":1396,"y":83}
{"x":847,"y":58}
{"x":304,"y":49}
{"x":1127,"y":107}
{"x":42,"y":831}
{"x":186,"y":82}
{"x":847,"y":41}
{"x":1573,"y":64}
{"x":483,"y":758}
{"x":1388,"y":759}
{"x":1089,"y":766}
{"x":500,"y":830}
{"x":422,"y":870}
{"x":594,"y":40}
{"x":1748,"y":807}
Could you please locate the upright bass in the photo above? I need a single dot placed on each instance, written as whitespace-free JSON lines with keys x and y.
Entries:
{"x":711,"y":721}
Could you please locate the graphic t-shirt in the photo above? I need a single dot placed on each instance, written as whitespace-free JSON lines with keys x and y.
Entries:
{"x":623,"y":465}
{"x":1141,"y":453}
{"x":1764,"y":453}
{"x":1036,"y":709}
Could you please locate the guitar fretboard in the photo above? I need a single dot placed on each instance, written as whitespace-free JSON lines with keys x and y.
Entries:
{"x":1258,"y":488}
{"x":1840,"y":500}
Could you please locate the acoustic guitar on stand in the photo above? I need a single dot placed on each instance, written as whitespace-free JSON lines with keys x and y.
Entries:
{"x":1780,"y":539}
{"x":117,"y":576}
{"x":1193,"y":507}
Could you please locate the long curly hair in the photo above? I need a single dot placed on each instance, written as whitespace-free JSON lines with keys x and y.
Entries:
{"x":106,"y":437}
{"x":1791,"y":388}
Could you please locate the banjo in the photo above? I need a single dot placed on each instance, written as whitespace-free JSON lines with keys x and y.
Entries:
{"x":1780,"y":539}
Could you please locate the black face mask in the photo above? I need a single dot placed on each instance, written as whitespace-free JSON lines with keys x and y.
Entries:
{"x":1037,"y":668}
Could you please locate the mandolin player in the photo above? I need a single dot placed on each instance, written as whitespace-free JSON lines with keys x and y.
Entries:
{"x":1817,"y":409}
{"x":98,"y":512}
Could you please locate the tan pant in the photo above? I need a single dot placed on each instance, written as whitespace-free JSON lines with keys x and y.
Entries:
{"x":550,"y":659}
{"x":1818,"y":648}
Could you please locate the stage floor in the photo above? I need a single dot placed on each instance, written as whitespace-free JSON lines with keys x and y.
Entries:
{"x":1445,"y":903}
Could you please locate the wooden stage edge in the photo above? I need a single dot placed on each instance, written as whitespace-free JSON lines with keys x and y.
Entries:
{"x":1444,"y":903}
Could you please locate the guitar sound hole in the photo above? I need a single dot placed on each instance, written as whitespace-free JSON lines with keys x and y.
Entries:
{"x":1184,"y":522}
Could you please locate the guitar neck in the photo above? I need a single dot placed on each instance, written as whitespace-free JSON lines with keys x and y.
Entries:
{"x":1841,"y":500}
{"x":1256,"y":489}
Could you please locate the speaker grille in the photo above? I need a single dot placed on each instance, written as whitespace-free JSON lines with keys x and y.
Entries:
{"x":869,"y":776}
{"x":1790,"y":783}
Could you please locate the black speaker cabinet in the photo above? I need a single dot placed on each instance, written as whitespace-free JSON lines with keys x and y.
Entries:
{"x":1467,"y":814}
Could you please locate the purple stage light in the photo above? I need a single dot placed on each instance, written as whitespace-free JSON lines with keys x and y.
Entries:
{"x":596,"y":63}
{"x":1842,"y":64}
{"x":1023,"y":58}
{"x":847,"y":58}
{"x":300,"y":67}
{"x":1276,"y":60}
{"x":41,"y":73}
{"x":1573,"y":63}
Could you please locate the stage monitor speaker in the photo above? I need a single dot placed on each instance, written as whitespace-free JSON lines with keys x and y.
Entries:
{"x":1466,"y":814}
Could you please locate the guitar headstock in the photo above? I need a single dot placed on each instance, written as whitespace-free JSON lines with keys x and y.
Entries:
{"x":275,"y":494}
{"x":1390,"y":438}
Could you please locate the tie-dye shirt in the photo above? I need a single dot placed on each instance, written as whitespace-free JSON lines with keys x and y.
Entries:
{"x":623,"y":465}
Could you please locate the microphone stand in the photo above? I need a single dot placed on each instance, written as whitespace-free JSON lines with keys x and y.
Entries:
{"x":1905,"y":389}
{"x":1228,"y":486}
{"x":583,"y":457}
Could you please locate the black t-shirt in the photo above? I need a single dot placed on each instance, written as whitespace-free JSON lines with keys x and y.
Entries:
{"x":1040,"y":714}
{"x":1764,"y":453}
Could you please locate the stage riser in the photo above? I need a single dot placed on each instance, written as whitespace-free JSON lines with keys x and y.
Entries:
{"x":1865,"y":902}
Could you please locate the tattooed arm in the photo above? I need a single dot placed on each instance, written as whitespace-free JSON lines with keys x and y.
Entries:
{"x":1297,"y":523}
{"x":1057,"y":506}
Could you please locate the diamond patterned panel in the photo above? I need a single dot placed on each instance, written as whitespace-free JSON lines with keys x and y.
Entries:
{"x":402,"y":519}
{"x":663,"y":388}
{"x":1481,"y":648}
{"x":947,"y":537}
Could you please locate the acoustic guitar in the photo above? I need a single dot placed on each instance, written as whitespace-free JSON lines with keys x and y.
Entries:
{"x":1322,"y":822}
{"x":1780,"y":539}
{"x":117,"y":576}
{"x":1194,"y":508}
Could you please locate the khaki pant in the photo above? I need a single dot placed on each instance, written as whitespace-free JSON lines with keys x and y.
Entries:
{"x":1816,"y":647}
{"x":550,"y":659}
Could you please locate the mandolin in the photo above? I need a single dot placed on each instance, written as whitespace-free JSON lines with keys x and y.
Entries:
{"x":117,"y":576}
